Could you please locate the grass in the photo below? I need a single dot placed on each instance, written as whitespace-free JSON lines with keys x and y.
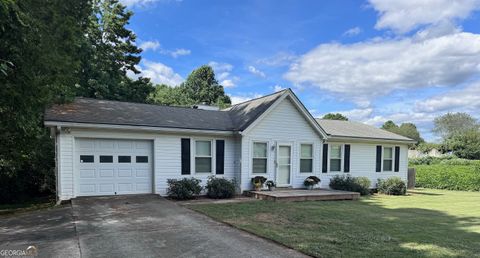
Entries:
{"x":425,"y":223}
{"x":31,"y":205}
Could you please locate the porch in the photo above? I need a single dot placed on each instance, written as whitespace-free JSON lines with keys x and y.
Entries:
{"x":303,"y":195}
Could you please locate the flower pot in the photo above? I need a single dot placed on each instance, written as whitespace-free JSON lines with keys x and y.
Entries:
{"x":258,"y":188}
{"x":310,"y":187}
{"x":271,"y":188}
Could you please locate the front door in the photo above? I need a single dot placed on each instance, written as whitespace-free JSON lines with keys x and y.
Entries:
{"x":284,"y":163}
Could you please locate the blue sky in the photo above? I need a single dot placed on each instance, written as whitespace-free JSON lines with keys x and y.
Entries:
{"x":408,"y":61}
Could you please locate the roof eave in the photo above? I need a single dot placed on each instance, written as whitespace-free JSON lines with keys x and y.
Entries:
{"x":368,"y":139}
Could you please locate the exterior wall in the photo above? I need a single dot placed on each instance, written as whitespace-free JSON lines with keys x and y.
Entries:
{"x":166,"y":151}
{"x":363,"y":163}
{"x":283,"y":125}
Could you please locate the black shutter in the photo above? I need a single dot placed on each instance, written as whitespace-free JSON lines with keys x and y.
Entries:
{"x":219,"y":156}
{"x":325,"y":158}
{"x":379,"y":158}
{"x":397,"y":158}
{"x":185,"y":156}
{"x":346,"y":162}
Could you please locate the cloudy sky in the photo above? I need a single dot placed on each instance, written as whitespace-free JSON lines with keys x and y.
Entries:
{"x":376,"y":60}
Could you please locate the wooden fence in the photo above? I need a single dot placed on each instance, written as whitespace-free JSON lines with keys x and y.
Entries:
{"x":411,"y":178}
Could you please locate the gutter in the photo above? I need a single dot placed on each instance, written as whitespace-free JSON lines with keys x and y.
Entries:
{"x":368,"y":139}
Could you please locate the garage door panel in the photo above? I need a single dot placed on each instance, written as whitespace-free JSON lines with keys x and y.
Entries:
{"x":106,"y":173}
{"x":87,"y":173}
{"x":113,"y":174}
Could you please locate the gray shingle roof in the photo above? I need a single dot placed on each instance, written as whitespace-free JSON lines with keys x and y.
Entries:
{"x":357,"y":130}
{"x":95,"y":111}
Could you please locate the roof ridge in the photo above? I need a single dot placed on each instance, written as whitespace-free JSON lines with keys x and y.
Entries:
{"x":261,"y":97}
{"x":145,"y":104}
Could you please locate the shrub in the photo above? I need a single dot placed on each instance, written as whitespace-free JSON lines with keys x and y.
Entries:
{"x":392,"y":186}
{"x":449,"y":177}
{"x":456,"y":162}
{"x":220,"y":188}
{"x":183,"y":189}
{"x":311,"y":180}
{"x":353,"y":184}
{"x":258,"y":181}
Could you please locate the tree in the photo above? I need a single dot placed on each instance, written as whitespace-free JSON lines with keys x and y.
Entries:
{"x":109,"y":53}
{"x":389,"y":125}
{"x":466,"y":144}
{"x":452,"y":124}
{"x":405,"y":129}
{"x":335,"y":116}
{"x":200,"y":87}
{"x":41,"y":44}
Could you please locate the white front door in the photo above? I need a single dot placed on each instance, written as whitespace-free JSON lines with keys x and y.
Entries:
{"x":284,"y":165}
{"x":110,"y":167}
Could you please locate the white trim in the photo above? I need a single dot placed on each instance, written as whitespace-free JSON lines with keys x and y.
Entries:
{"x":136,"y":128}
{"x":393,"y":158}
{"x":194,"y":154}
{"x":252,"y":142}
{"x":342,"y":157}
{"x":333,"y":138}
{"x":277,"y":149}
{"x":300,"y":157}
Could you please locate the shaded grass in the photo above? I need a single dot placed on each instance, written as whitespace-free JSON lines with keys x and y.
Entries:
{"x":31,"y":205}
{"x":426,"y":223}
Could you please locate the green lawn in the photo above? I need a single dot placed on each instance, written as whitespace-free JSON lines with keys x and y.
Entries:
{"x":425,"y":223}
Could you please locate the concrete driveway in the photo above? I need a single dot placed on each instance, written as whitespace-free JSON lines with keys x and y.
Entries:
{"x":131,"y":226}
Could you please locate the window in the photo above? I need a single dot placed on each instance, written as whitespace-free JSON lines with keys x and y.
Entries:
{"x":106,"y":159}
{"x":259,"y":164}
{"x":124,"y":159}
{"x":141,"y":159}
{"x":86,"y":159}
{"x":335,"y":158}
{"x":203,"y":156}
{"x":306,"y":158}
{"x":387,"y":158}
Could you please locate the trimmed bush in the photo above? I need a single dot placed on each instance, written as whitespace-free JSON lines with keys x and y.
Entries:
{"x":449,"y":177}
{"x":183,"y":189}
{"x":220,"y":188}
{"x":353,"y":184}
{"x":392,"y":186}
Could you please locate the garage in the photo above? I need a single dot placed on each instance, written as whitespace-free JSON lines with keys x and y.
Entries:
{"x":113,"y":166}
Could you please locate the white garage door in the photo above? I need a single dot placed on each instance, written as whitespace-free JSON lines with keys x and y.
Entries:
{"x":109,"y":167}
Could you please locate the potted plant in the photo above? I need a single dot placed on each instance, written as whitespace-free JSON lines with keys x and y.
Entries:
{"x":311,"y":181}
{"x":258,"y":182}
{"x":271,"y":185}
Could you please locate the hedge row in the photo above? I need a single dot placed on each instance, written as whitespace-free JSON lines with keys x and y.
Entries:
{"x":450,"y":177}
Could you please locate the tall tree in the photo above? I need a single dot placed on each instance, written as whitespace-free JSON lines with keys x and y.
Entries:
{"x":40,"y":42}
{"x":109,"y":53}
{"x":405,"y":129}
{"x":201,"y":86}
{"x":335,"y":116}
{"x":466,"y":144}
{"x":452,"y":124}
{"x":389,"y":125}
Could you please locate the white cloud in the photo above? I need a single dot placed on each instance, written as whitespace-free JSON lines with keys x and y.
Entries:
{"x":277,"y":88}
{"x":159,"y":73}
{"x":227,"y":83}
{"x":255,"y":71}
{"x":180,"y":52}
{"x":142,"y":3}
{"x":220,"y":67}
{"x":154,"y":45}
{"x":358,"y":114}
{"x":369,"y":69}
{"x":150,"y":45}
{"x":279,"y":59}
{"x":406,"y":15}
{"x":242,"y":98}
{"x":466,"y":99}
{"x":352,"y":32}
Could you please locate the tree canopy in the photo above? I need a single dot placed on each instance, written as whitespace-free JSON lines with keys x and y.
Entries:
{"x":405,"y":129}
{"x":200,"y":87}
{"x":335,"y":116}
{"x":452,"y":124}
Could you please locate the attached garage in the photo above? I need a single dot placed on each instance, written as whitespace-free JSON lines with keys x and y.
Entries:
{"x":112,"y":166}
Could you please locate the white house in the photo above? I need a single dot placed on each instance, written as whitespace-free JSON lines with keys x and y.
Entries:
{"x":111,"y":147}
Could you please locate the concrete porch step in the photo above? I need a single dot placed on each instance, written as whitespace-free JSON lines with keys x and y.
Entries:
{"x":303,"y":195}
